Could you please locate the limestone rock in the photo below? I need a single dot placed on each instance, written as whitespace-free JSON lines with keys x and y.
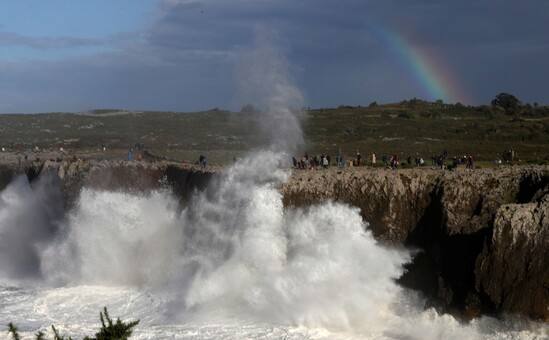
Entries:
{"x":513,"y":268}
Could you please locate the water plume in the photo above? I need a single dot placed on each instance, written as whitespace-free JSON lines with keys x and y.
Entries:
{"x":29,"y":220}
{"x":234,"y":251}
{"x":264,"y":78}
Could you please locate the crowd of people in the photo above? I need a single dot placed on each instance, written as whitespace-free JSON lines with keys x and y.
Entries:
{"x":442,"y":161}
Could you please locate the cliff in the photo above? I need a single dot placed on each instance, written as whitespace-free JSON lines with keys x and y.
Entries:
{"x":482,"y":236}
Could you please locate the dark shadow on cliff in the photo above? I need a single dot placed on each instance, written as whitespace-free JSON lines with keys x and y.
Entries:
{"x":532,"y":187}
{"x":443,"y":269}
{"x":184,"y":182}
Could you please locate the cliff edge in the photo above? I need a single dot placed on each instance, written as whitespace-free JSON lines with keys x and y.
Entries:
{"x":482,"y":236}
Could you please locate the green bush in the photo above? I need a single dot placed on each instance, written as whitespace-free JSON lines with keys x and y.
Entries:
{"x":110,"y":330}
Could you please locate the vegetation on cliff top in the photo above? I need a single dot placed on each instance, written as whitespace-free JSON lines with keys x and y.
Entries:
{"x":405,"y":128}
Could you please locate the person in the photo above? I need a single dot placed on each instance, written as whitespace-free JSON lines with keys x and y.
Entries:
{"x":325,"y":162}
{"x":307,"y":165}
{"x":441,"y":161}
{"x":339,"y":160}
{"x":316,"y":161}
{"x":358,"y":158}
{"x":294,"y":162}
{"x":302,"y":163}
{"x":455,"y":162}
{"x":374,"y":158}
{"x":130,"y":154}
{"x":202,"y":161}
{"x":470,"y":162}
{"x":394,"y":162}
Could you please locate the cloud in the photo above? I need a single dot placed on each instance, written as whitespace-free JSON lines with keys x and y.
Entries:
{"x":15,"y":39}
{"x":185,"y":58}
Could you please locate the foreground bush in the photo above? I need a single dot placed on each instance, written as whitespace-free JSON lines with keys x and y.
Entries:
{"x":110,"y":330}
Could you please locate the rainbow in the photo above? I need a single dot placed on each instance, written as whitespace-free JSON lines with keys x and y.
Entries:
{"x":435,"y":78}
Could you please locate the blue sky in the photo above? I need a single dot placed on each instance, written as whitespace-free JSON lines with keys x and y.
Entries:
{"x":65,"y":21}
{"x":183,"y":55}
{"x":98,"y":18}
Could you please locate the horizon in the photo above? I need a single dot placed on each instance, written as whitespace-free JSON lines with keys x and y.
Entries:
{"x":239,"y":109}
{"x":186,"y":55}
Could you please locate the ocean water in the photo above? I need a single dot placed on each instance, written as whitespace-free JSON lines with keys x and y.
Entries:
{"x":232,"y":264}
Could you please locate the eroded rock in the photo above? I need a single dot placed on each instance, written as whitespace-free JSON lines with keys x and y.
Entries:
{"x":513,"y":268}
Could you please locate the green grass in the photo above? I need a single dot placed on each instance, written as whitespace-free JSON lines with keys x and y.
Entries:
{"x":405,"y":129}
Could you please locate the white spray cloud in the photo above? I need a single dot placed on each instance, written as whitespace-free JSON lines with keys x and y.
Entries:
{"x":29,"y":218}
{"x":264,"y":79}
{"x":235,"y":251}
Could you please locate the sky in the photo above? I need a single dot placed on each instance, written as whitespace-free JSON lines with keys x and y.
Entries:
{"x":187,"y":55}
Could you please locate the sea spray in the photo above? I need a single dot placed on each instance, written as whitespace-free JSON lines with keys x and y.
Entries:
{"x":233,"y":263}
{"x":264,"y":78}
{"x":29,"y":219}
{"x":234,"y":251}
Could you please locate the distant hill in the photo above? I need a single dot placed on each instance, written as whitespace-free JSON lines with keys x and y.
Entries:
{"x":407,"y":128}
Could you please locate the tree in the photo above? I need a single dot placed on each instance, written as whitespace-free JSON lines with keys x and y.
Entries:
{"x":506,"y":101}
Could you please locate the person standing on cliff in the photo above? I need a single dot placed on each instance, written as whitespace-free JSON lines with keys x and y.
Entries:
{"x":394,"y":162}
{"x":203,"y":161}
{"x":470,"y":162}
{"x":340,"y":160}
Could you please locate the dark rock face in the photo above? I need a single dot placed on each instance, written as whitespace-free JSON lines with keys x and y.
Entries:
{"x":513,"y":268}
{"x":182,"y":179}
{"x":392,"y":202}
{"x":483,"y":235}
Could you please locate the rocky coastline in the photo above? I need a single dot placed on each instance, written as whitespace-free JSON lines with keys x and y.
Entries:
{"x":482,"y":236}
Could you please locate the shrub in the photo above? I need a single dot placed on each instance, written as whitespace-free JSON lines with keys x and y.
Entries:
{"x":110,"y":330}
{"x":405,"y":115}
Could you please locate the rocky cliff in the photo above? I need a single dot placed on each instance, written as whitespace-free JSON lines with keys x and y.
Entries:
{"x":482,"y":236}
{"x":182,"y":179}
